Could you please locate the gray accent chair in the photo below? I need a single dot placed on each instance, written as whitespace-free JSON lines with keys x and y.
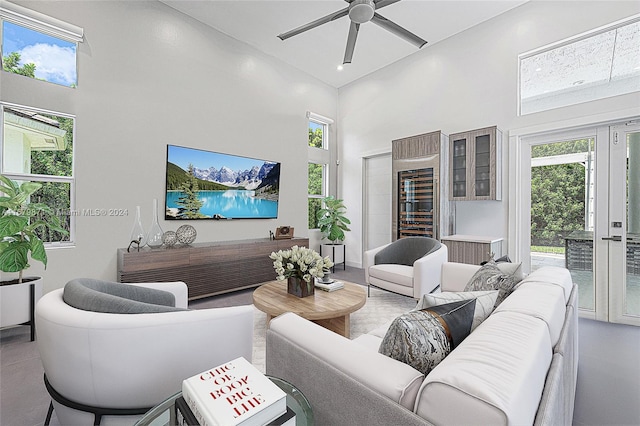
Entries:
{"x":410,"y":266}
{"x":112,"y":351}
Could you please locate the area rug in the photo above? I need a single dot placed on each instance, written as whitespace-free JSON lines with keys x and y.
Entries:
{"x":381,"y":308}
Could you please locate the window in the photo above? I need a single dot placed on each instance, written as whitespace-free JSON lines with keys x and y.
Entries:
{"x":38,"y":146}
{"x":37,"y":46}
{"x":599,"y":64}
{"x":319,"y":157}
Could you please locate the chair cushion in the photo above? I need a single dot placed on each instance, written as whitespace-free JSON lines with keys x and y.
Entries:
{"x":115,"y":298}
{"x":485,"y":301}
{"x":422,"y":339}
{"x":490,"y":277}
{"x":397,"y":274}
{"x":405,"y":251}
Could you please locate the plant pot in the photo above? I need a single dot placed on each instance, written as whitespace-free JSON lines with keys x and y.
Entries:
{"x":299,"y":287}
{"x":335,"y":252}
{"x":17,"y":302}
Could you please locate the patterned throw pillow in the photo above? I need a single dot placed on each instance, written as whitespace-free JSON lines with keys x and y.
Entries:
{"x":423,"y":338}
{"x":485,"y":301}
{"x":490,"y":277}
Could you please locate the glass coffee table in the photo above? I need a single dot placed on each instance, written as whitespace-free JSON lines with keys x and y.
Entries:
{"x":164,"y":414}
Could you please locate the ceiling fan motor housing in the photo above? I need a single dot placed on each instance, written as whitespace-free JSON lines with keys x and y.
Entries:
{"x":361,"y":11}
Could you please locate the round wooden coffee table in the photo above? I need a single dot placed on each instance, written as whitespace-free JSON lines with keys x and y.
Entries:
{"x":331,"y":310}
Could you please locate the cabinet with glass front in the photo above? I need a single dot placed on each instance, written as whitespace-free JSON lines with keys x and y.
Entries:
{"x":475,"y":165}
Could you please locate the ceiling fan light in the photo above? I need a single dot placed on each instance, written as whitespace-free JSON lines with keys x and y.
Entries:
{"x":361,"y":11}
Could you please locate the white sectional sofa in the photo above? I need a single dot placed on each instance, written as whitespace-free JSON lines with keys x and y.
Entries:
{"x":519,"y":367}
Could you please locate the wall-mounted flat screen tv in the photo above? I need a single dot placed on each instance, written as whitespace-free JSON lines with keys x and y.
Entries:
{"x":212,"y":185}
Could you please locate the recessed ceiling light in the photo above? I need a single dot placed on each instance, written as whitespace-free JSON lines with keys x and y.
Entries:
{"x":340,"y":68}
{"x":538,"y":69}
{"x":577,"y":82}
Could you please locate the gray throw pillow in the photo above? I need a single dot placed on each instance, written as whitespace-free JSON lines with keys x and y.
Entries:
{"x":485,"y":301}
{"x":490,"y":277}
{"x":115,"y":298}
{"x":422,"y":339}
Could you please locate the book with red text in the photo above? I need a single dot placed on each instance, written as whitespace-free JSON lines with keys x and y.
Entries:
{"x":232,"y":394}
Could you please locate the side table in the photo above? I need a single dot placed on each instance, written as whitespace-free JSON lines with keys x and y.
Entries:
{"x":164,"y":414}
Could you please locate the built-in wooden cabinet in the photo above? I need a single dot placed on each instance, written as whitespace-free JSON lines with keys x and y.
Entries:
{"x":418,"y":187}
{"x":472,"y":249}
{"x":475,"y":165}
{"x":207,"y":268}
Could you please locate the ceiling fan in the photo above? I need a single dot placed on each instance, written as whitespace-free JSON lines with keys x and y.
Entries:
{"x":360,"y":12}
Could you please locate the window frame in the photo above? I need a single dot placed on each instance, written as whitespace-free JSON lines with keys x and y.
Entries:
{"x":39,"y":22}
{"x":566,"y":42}
{"x":71,"y":180}
{"x":321,"y":156}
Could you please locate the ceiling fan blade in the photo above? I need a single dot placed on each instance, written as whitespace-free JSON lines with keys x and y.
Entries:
{"x":398,"y":30}
{"x":382,"y":3}
{"x":331,"y":17}
{"x":351,"y":42}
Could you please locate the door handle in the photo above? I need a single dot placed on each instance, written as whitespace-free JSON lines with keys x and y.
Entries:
{"x":613,"y":238}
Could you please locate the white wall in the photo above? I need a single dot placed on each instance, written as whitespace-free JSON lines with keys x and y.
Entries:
{"x":149,"y":76}
{"x":466,"y":82}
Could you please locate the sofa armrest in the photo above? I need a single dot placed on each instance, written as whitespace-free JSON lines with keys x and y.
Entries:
{"x":369,"y":260}
{"x":178,"y":288}
{"x":455,"y":276}
{"x":346,"y":383}
{"x":427,"y":272}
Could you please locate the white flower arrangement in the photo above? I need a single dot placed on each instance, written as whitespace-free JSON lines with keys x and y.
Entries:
{"x":300,"y":262}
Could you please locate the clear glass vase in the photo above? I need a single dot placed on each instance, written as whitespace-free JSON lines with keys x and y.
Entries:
{"x":137,"y":233}
{"x":154,"y":238}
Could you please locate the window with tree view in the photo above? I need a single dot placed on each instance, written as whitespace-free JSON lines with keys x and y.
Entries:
{"x":317,"y":173}
{"x":38,"y":146}
{"x":37,"y":55}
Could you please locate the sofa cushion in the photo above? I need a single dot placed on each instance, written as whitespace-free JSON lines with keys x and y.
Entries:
{"x":490,"y":277}
{"x":551,"y":275}
{"x":495,"y":377}
{"x":115,"y":298}
{"x":423,"y":338}
{"x":541,"y":301}
{"x":485,"y":301}
{"x":398,"y":274}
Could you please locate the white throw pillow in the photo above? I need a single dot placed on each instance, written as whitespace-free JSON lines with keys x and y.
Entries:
{"x":485,"y":301}
{"x":514,"y":269}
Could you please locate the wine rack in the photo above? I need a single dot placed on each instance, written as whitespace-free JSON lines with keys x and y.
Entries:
{"x":416,"y":200}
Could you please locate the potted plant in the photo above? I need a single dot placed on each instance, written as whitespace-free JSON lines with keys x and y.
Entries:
{"x":20,"y":220}
{"x":333,"y":224}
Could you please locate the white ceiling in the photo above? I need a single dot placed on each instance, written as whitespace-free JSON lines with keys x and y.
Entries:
{"x":319,"y":51}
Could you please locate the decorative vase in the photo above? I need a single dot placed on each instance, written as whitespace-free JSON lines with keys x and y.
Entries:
{"x":154,"y":239}
{"x":137,"y":233}
{"x":299,"y":287}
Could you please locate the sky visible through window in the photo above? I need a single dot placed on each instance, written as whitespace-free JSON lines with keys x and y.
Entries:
{"x":55,"y":59}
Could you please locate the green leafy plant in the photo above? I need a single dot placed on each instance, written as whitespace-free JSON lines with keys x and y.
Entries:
{"x":20,"y":222}
{"x":331,"y":219}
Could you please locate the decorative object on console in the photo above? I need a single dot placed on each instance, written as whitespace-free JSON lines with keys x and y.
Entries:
{"x":434,"y":333}
{"x":284,"y":232}
{"x":491,"y":277}
{"x":154,"y":238}
{"x":169,"y":238}
{"x":137,"y":232}
{"x":186,"y":234}
{"x":299,"y":266}
{"x":485,"y":301}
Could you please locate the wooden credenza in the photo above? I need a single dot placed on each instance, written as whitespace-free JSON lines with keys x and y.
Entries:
{"x":207,"y":268}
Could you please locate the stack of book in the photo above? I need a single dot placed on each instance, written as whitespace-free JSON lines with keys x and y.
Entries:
{"x":332,"y":285}
{"x":232,"y":394}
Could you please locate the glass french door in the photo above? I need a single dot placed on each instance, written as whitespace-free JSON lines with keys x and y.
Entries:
{"x":580,"y":208}
{"x":623,"y":239}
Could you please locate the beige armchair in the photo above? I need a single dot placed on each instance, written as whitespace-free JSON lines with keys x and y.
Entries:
{"x":410,"y":266}
{"x":113,"y":367}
